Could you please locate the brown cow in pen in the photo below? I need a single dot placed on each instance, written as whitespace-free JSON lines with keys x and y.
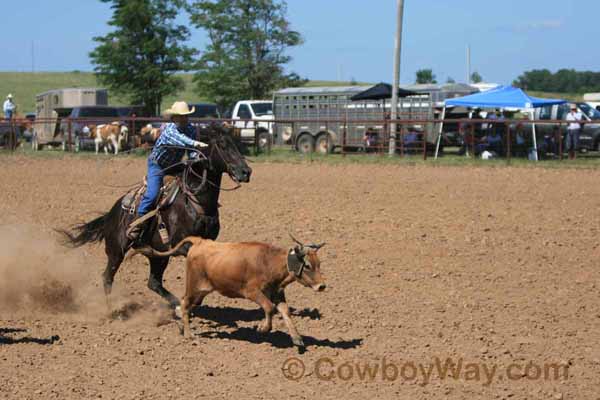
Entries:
{"x":149,"y":135}
{"x":114,"y":135}
{"x":256,"y":271}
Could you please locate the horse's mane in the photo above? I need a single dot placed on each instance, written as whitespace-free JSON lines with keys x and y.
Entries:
{"x":215,"y":130}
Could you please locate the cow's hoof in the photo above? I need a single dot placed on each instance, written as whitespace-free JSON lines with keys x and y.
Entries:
{"x":178,"y":313}
{"x":263,"y":328}
{"x":298,"y":342}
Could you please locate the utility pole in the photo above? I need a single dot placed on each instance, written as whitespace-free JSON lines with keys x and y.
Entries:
{"x":396,"y":85}
{"x":32,"y":58}
{"x":468,"y":64}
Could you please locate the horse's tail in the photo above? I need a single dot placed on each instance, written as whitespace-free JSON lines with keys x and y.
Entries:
{"x":149,"y":251}
{"x":89,"y":232}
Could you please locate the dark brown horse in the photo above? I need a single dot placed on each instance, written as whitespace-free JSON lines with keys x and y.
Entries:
{"x":193,"y":212}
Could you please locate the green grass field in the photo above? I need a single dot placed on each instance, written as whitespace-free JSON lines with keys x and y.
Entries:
{"x":26,"y":85}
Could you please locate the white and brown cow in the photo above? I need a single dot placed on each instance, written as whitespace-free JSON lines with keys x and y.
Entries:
{"x":149,"y":135}
{"x":113,"y":135}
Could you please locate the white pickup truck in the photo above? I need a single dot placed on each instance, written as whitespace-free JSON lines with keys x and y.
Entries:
{"x":254,"y":118}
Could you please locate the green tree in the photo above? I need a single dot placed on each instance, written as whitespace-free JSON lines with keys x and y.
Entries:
{"x":246,"y":51}
{"x":140,"y":57}
{"x":425,"y":76}
{"x":450,"y":80}
{"x":562,"y":81}
{"x":476,"y":77}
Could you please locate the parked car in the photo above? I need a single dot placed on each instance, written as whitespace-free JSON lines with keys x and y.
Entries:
{"x":203,"y":111}
{"x":589,"y":138}
{"x":254,"y":120}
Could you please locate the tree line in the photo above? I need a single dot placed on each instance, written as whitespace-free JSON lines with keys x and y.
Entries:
{"x":543,"y":80}
{"x":562,"y":81}
{"x":244,"y":56}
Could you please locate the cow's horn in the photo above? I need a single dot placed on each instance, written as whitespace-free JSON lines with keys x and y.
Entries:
{"x":296,"y":240}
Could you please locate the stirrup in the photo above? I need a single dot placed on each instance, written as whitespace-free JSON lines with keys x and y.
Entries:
{"x":134,"y":232}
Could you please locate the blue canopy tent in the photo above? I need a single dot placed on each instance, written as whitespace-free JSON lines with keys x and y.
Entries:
{"x":500,"y":97}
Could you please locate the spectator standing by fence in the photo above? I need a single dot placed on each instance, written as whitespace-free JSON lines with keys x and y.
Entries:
{"x":9,"y":107}
{"x":573,"y":129}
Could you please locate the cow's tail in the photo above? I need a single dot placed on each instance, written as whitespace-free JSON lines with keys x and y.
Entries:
{"x":149,"y":251}
{"x":89,"y":232}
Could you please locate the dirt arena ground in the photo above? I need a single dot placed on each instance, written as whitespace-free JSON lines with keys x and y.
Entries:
{"x":492,"y":268}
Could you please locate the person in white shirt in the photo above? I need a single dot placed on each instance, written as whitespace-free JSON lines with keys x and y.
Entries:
{"x":9,"y":107}
{"x":573,"y":129}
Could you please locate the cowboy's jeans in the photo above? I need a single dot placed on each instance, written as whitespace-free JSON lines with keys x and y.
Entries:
{"x":154,"y":180}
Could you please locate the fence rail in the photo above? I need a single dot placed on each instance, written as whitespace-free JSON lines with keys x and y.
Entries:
{"x":505,"y":138}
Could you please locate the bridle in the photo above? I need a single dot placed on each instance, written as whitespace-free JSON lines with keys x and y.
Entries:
{"x":215,"y":147}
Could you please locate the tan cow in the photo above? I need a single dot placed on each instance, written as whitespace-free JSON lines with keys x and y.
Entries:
{"x":114,"y":134}
{"x":149,"y":134}
{"x":256,"y":271}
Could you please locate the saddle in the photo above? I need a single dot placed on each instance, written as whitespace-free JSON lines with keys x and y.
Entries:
{"x":168,"y":192}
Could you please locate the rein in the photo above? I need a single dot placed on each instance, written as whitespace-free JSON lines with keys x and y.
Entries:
{"x":189,"y":170}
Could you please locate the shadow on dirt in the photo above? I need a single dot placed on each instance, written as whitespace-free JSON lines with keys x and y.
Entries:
{"x":26,"y":339}
{"x":217,"y":317}
{"x":230,"y":316}
{"x":280,"y":339}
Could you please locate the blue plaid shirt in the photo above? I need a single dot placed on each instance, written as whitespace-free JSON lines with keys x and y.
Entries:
{"x":171,"y":136}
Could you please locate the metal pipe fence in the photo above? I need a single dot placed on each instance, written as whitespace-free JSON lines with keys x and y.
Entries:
{"x":414,"y":137}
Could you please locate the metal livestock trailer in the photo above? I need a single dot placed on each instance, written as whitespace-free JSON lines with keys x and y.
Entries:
{"x":53,"y":105}
{"x":325,"y":118}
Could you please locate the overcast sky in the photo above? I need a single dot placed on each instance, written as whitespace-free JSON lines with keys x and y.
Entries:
{"x":350,"y":38}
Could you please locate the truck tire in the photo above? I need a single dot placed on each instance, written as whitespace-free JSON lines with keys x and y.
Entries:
{"x":305,"y":144}
{"x":324,"y":144}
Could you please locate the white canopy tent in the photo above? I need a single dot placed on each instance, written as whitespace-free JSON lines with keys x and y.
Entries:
{"x":500,"y":97}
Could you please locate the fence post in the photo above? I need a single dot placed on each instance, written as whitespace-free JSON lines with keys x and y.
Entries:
{"x":132,"y":133}
{"x":328,"y":137}
{"x":69,"y":140}
{"x":10,"y":141}
{"x":508,"y":142}
{"x":560,"y":142}
{"x":425,"y":144}
{"x":344,"y":131}
{"x":271,"y":135}
{"x":293,"y":136}
{"x":401,"y":138}
{"x":473,"y":139}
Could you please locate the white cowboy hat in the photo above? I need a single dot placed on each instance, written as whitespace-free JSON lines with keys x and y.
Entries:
{"x":179,"y":108}
{"x":9,"y":96}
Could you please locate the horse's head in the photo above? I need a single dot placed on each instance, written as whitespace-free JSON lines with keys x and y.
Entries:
{"x":223,"y":154}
